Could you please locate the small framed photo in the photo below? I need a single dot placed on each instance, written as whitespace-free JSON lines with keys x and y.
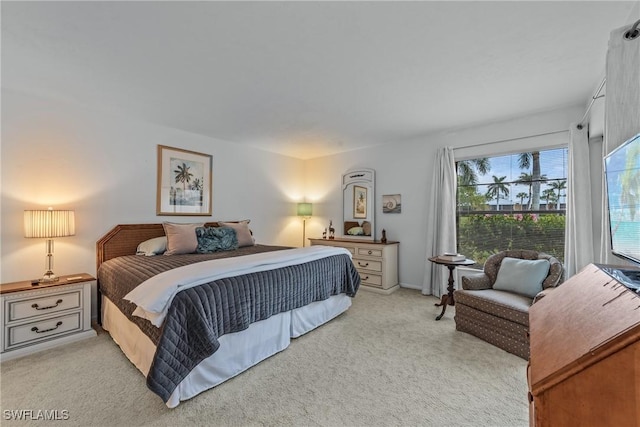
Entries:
{"x":184,"y":182}
{"x":359,"y":202}
{"x":392,"y":203}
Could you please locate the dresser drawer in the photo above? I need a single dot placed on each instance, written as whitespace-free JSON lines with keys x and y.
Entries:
{"x":370,"y":252}
{"x":376,"y":262}
{"x":367,"y":264}
{"x":28,"y":333}
{"x":41,"y":305}
{"x":370,"y":279}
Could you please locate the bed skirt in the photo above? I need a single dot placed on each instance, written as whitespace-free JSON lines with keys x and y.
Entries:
{"x":238,"y":351}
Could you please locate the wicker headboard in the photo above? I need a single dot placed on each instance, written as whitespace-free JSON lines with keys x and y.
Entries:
{"x":123,"y":239}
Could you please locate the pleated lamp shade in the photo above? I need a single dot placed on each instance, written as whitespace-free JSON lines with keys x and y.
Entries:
{"x":49,"y":223}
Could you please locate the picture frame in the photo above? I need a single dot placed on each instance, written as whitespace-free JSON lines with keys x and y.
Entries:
{"x":359,"y":202}
{"x":392,"y":203}
{"x":184,"y":182}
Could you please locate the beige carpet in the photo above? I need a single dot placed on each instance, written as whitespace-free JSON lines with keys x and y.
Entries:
{"x":385,"y":362}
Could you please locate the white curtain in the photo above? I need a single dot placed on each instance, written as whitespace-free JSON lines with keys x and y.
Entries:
{"x":441,"y":221}
{"x":578,"y":241}
{"x":622,"y":111}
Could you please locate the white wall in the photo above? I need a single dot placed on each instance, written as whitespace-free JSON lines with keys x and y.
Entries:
{"x":406,"y":168}
{"x":104,"y":167}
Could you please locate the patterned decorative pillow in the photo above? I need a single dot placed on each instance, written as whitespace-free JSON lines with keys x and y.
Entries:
{"x":216,"y":239}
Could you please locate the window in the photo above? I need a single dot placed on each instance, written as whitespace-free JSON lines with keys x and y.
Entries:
{"x":516,"y":201}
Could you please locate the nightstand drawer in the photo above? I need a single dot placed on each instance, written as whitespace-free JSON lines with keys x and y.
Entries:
{"x":370,"y":252}
{"x":371,"y":279}
{"x":31,"y":332}
{"x":38,"y":306}
{"x":367,"y":264}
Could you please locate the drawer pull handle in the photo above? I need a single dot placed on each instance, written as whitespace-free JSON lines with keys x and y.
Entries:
{"x":365,"y":278}
{"x":363,"y":265}
{"x":37,"y":307}
{"x":35,"y":328}
{"x":370,"y":252}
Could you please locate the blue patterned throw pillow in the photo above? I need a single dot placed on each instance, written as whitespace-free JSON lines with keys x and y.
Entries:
{"x":216,"y":239}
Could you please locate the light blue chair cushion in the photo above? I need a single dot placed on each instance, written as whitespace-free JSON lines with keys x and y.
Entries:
{"x":522,"y":276}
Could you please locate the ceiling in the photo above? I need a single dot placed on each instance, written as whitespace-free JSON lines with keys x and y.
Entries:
{"x":308,"y":79}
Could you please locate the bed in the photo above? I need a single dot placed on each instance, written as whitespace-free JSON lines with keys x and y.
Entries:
{"x":221,"y":313}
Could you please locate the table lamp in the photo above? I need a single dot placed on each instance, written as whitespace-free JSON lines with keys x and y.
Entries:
{"x":304,"y":210}
{"x":48,"y":224}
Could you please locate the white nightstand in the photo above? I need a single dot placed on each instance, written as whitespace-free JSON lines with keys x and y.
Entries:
{"x":38,"y":317}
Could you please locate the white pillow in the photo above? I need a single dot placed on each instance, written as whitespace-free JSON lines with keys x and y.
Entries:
{"x":355,"y":231}
{"x":522,"y":276}
{"x":151,"y":247}
{"x":181,"y":238}
{"x":242,"y":232}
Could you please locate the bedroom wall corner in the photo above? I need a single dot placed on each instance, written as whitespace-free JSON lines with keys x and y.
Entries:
{"x":103,"y":165}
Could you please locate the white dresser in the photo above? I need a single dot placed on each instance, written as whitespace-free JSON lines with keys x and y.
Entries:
{"x":376,"y":262}
{"x":38,"y":317}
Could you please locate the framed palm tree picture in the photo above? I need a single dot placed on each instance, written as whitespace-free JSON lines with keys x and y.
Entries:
{"x":184,"y":182}
{"x":359,"y":201}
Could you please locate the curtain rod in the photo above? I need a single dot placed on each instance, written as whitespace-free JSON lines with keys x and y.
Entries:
{"x":593,"y":99}
{"x":511,"y":139}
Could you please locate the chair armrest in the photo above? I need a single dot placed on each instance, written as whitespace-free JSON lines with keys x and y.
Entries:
{"x":476,"y":281}
{"x":542,"y":294}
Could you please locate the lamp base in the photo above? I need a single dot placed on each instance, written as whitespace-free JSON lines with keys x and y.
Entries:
{"x":48,"y":277}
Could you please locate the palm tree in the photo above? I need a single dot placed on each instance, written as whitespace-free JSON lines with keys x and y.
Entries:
{"x":183,"y":175}
{"x":558,"y":185}
{"x":549,"y":195}
{"x":498,"y":187}
{"x":467,"y":170}
{"x":196,"y":184}
{"x":532,"y":159}
{"x":521,"y":196}
{"x":527,"y":179}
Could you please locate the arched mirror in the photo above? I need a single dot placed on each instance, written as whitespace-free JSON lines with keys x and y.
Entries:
{"x":358,"y":204}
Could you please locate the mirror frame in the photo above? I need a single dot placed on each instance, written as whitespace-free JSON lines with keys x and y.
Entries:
{"x":361,"y":177}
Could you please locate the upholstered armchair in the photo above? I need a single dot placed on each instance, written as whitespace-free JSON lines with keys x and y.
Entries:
{"x":494,"y":304}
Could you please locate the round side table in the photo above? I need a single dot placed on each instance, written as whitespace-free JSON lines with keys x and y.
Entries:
{"x":447,"y":299}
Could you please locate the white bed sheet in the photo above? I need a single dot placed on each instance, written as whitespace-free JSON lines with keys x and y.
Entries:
{"x":238,"y":351}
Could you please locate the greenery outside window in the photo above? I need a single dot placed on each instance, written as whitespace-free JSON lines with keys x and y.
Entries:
{"x":515,"y":201}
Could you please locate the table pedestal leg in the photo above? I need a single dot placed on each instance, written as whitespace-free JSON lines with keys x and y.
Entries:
{"x":447,"y":299}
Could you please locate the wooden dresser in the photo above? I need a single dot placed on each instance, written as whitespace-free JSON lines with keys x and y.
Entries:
{"x":584,"y":368}
{"x":376,"y":262}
